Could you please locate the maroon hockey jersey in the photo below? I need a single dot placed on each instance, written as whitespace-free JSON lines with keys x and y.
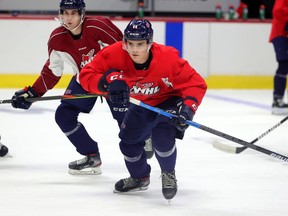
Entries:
{"x":63,"y":48}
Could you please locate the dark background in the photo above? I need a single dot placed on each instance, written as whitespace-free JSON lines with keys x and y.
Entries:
{"x":254,"y":5}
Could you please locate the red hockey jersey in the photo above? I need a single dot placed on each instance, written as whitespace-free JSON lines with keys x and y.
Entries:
{"x":280,"y":19}
{"x":63,"y":48}
{"x":168,"y":75}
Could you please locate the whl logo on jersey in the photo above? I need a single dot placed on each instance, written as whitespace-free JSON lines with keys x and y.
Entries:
{"x":87,"y":58}
{"x":145,"y":88}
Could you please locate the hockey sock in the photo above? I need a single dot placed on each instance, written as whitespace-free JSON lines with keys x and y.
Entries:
{"x":280,"y":79}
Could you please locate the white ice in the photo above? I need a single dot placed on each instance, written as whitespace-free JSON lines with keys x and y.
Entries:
{"x":35,"y":181}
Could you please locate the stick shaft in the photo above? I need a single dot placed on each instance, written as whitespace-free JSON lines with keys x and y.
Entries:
{"x":236,"y":150}
{"x":169,"y":115}
{"x":57,"y":97}
{"x":212,"y":131}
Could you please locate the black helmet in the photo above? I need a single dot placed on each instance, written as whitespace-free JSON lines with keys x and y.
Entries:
{"x":72,"y":4}
{"x":139,"y":29}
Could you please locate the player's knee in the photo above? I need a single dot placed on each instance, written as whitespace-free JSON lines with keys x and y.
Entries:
{"x":66,"y":118}
{"x":132,"y":151}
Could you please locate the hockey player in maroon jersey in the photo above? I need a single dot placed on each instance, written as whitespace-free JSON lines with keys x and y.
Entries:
{"x":279,"y":39}
{"x":75,"y":42}
{"x":156,"y":75}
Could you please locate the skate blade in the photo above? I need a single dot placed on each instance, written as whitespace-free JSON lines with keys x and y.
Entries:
{"x":279,"y":111}
{"x":89,"y":171}
{"x":133,"y":190}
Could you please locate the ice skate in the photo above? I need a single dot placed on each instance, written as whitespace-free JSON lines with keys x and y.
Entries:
{"x":149,"y":148}
{"x":279,"y":107}
{"x":169,"y":185}
{"x":89,"y":165}
{"x":3,"y":150}
{"x":130,"y":185}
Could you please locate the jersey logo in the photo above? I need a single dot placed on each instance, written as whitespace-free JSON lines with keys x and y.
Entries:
{"x":87,"y":58}
{"x":145,"y":88}
{"x":167,"y":83}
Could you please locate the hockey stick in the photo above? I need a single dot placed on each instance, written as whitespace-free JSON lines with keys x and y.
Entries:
{"x":212,"y":131}
{"x":236,"y":150}
{"x":57,"y":97}
{"x":169,"y":115}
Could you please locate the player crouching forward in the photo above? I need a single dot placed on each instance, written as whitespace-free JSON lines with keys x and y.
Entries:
{"x":3,"y":149}
{"x":155,"y":75}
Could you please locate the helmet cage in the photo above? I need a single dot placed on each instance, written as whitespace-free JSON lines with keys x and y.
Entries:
{"x":70,"y":5}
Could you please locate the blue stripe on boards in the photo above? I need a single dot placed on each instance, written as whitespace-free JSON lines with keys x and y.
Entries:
{"x":174,"y":35}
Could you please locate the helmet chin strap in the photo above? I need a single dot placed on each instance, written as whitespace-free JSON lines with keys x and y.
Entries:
{"x":62,"y":23}
{"x":149,"y":47}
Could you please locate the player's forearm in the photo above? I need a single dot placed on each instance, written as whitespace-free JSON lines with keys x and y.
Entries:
{"x":45,"y":83}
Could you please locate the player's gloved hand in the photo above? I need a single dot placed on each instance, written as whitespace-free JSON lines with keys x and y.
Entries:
{"x":18,"y":99}
{"x":186,"y":112}
{"x":118,"y":91}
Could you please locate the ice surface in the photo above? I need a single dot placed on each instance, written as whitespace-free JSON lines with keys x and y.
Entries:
{"x":35,"y":181}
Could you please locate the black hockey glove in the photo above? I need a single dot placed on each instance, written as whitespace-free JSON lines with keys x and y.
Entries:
{"x":186,"y":112}
{"x":118,"y":91}
{"x":18,"y":99}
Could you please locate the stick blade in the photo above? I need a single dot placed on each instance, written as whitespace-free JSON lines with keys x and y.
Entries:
{"x":228,"y":148}
{"x":223,"y":147}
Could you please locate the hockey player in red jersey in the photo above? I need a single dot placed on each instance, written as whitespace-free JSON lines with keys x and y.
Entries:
{"x":75,"y":42}
{"x":279,"y":39}
{"x":156,"y":75}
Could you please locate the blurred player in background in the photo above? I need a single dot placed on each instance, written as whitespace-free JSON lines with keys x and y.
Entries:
{"x":279,"y":38}
{"x":75,"y":42}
